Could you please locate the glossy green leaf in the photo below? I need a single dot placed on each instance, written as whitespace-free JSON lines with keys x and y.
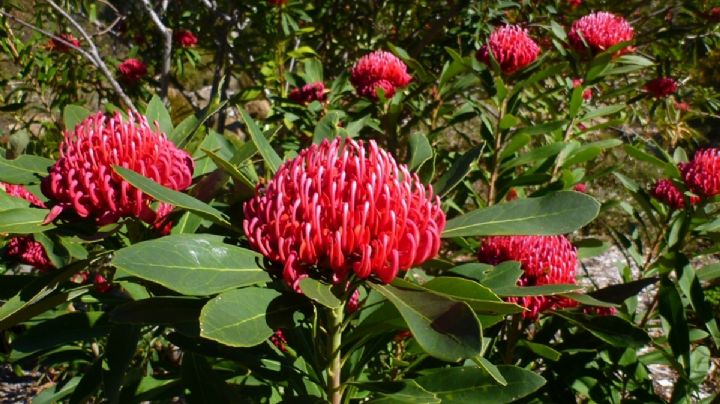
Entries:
{"x":444,"y":328}
{"x":610,"y":329}
{"x":709,"y":272}
{"x":319,"y":292}
{"x":457,"y":172}
{"x":229,"y":168}
{"x":159,"y":310}
{"x":239,"y":317}
{"x":474,"y":385}
{"x":557,"y":213}
{"x":420,"y":150}
{"x":481,"y":299}
{"x":156,"y":112}
{"x":398,"y":392}
{"x":172,"y":197}
{"x":271,"y":158}
{"x":73,"y":115}
{"x":26,"y":169}
{"x":24,"y":221}
{"x":541,"y":290}
{"x":192,"y":264}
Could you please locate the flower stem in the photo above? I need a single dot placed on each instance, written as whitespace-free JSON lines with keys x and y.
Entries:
{"x":334,"y":367}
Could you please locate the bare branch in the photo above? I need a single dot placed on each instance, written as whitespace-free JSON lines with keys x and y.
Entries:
{"x":94,"y":56}
{"x":167,"y":46}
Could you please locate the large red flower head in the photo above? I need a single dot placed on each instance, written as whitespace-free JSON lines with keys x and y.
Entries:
{"x":702,"y":174}
{"x":132,"y":70}
{"x":666,"y":192}
{"x":545,"y":260}
{"x":309,"y":92}
{"x":597,"y":32}
{"x":185,"y":38}
{"x":512,"y":48}
{"x":341,"y":207}
{"x":379,"y":69}
{"x":661,"y":87}
{"x":83,"y":179}
{"x":278,"y":2}
{"x":59,"y":46}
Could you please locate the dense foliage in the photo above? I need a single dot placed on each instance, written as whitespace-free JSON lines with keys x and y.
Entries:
{"x":347,"y":201}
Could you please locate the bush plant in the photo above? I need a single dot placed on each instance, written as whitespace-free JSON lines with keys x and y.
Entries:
{"x":384,"y":201}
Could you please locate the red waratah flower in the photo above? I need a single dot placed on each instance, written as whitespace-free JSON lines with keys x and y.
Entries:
{"x":309,"y":92}
{"x":278,"y":339}
{"x":666,"y":192}
{"x":702,"y":174}
{"x":379,"y":69}
{"x":341,"y":207}
{"x":580,"y":187}
{"x":511,"y":195}
{"x":714,"y":14}
{"x":574,"y":3}
{"x":24,"y":248}
{"x":20,"y":191}
{"x":277,"y":2}
{"x":28,"y":251}
{"x":597,"y":32}
{"x":682,"y":106}
{"x":185,"y":38}
{"x":101,"y":284}
{"x":58,"y":46}
{"x":545,"y":260}
{"x":83,"y":180}
{"x":132,"y":70}
{"x":512,"y":48}
{"x":661,"y":87}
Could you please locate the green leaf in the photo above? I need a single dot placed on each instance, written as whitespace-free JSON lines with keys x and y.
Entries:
{"x":540,"y":153}
{"x":73,"y":115}
{"x":618,"y":293}
{"x":172,"y":197}
{"x":240,"y":317}
{"x":398,"y":392}
{"x":206,"y":386}
{"x":508,"y":121}
{"x":192,"y":264}
{"x":474,"y":385}
{"x":541,"y":129}
{"x":420,"y":150}
{"x":11,"y":202}
{"x":26,"y":169}
{"x":709,"y":272}
{"x":64,"y":329}
{"x":444,"y":328}
{"x":319,"y":292}
{"x":558,"y":213}
{"x":190,"y":125}
{"x":588,"y":300}
{"x":271,"y":158}
{"x":119,"y":351}
{"x":24,"y":221}
{"x":159,"y":310}
{"x":602,"y":111}
{"x":504,"y":275}
{"x":610,"y":329}
{"x":156,"y":112}
{"x":457,"y":172}
{"x":481,"y":299}
{"x":576,"y":100}
{"x":491,"y":369}
{"x":229,"y":168}
{"x":541,"y":349}
{"x":541,"y":290}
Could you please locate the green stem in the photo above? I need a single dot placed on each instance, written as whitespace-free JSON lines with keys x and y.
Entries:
{"x":512,"y":338}
{"x":333,"y":342}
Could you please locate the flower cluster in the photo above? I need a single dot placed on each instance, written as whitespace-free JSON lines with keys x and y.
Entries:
{"x":83,"y":180}
{"x":59,"y":46}
{"x":702,"y":173}
{"x":661,"y":87}
{"x":545,"y":260}
{"x":185,"y":38}
{"x":24,"y":248}
{"x":309,"y":92}
{"x":344,"y":207}
{"x":668,"y":193}
{"x":598,"y":32}
{"x":511,"y":47}
{"x":132,"y":71}
{"x":379,"y":69}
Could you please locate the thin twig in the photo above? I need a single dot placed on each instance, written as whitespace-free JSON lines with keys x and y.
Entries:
{"x":167,"y":45}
